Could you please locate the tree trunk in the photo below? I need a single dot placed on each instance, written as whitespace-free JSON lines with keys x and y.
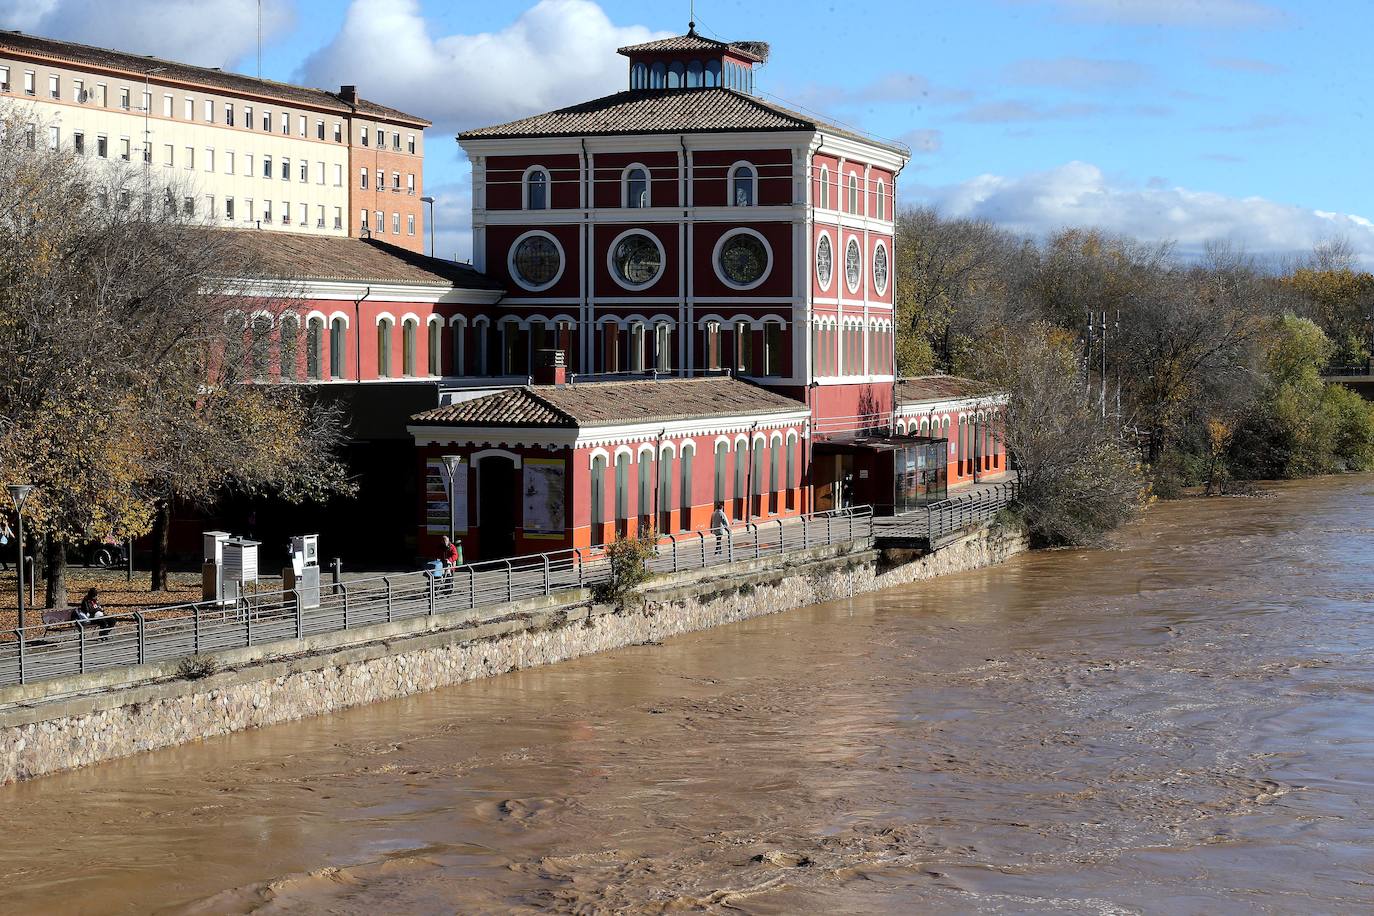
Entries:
{"x":55,"y":571}
{"x":157,"y":581}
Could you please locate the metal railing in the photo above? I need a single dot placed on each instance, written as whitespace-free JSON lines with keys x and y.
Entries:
{"x":49,"y":651}
{"x":936,"y":520}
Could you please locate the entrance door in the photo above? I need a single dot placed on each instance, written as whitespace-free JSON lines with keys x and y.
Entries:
{"x":497,"y":505}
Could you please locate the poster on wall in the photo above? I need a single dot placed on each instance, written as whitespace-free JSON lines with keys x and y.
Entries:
{"x":543,"y":489}
{"x":436,"y":498}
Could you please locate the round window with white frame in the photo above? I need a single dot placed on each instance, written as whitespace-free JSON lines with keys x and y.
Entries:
{"x":880,"y":268}
{"x":853,"y":265}
{"x":536,"y":261}
{"x":743,"y":259}
{"x":825,"y":261}
{"x":636,"y":259}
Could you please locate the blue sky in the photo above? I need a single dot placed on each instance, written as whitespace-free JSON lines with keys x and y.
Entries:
{"x":1189,"y":120}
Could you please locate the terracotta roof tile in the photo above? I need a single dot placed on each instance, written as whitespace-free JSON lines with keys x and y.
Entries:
{"x":296,"y":256}
{"x":751,"y":50}
{"x":610,"y":403}
{"x":136,"y":64}
{"x":659,"y":111}
{"x":924,"y":388}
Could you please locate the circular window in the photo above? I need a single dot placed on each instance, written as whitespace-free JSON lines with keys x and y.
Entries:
{"x":743,"y":259}
{"x":536,"y":261}
{"x":825,"y":262}
{"x":853,"y":265}
{"x":880,"y":269}
{"x":636,"y":259}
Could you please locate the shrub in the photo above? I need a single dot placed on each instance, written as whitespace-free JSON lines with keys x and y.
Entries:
{"x":629,"y":559}
{"x":195,"y":667}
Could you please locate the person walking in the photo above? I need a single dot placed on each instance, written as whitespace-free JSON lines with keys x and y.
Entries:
{"x":720,"y":524}
{"x":6,"y":538}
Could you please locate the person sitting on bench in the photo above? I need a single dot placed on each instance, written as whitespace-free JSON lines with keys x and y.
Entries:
{"x":89,"y":610}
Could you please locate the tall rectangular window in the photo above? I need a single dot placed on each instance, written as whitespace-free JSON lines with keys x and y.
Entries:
{"x":229,"y":208}
{"x":362,"y":179}
{"x":410,"y":183}
{"x":29,"y":78}
{"x":395,"y":181}
{"x":78,"y":88}
{"x":319,"y":212}
{"x":301,"y":123}
{"x":305,"y":171}
{"x":166,"y":106}
{"x":285,"y":122}
{"x":362,"y":137}
{"x":338,"y":217}
{"x":209,"y":112}
{"x":55,"y":139}
{"x":4,"y":79}
{"x":381,"y":222}
{"x":362,"y":220}
{"x":147,"y":102}
{"x":410,"y":224}
{"x":102,"y":146}
{"x":189,"y":108}
{"x":79,"y":142}
{"x":229,"y":114}
{"x":286,"y":213}
{"x":54,"y":87}
{"x":209,"y":159}
{"x":319,"y":172}
{"x":267,"y":211}
{"x":338,"y":174}
{"x":410,"y":143}
{"x":101,"y":94}
{"x":266,"y":166}
{"x":168,"y":158}
{"x":266,"y":120}
{"x":124,"y":152}
{"x":248,"y":165}
{"x":248,"y":209}
{"x":286,"y":170}
{"x":229,"y":162}
{"x":124,"y":99}
{"x":396,"y":223}
{"x":338,"y":132}
{"x":319,"y":130}
{"x":248,"y":116}
{"x":190,"y":157}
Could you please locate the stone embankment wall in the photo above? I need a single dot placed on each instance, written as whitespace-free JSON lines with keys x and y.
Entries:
{"x":54,"y":733}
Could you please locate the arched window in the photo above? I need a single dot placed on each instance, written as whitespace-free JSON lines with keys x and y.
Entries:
{"x":636,"y":186}
{"x":537,"y":188}
{"x":793,"y":464}
{"x":288,"y":347}
{"x":853,"y":203}
{"x":338,"y":348}
{"x":482,"y":326}
{"x":598,"y":496}
{"x":314,"y":349}
{"x":880,"y":201}
{"x":409,"y":345}
{"x":622,"y":491}
{"x":384,"y":348}
{"x":658,"y":75}
{"x":663,"y":347}
{"x":685,"y":497}
{"x":741,"y":476}
{"x":772,"y":348}
{"x":261,"y":353}
{"x":676,"y":75}
{"x":712,"y":345}
{"x":756,"y":472}
{"x":639,"y":77}
{"x":694,"y":75}
{"x":744,"y":348}
{"x":646,"y":488}
{"x":232,"y":356}
{"x":436,"y":348}
{"x":775,"y":485}
{"x":825,"y":188}
{"x":666,"y":476}
{"x":712,"y":76}
{"x":637,"y":347}
{"x":722,"y":456}
{"x":743,"y":185}
{"x":513,"y":348}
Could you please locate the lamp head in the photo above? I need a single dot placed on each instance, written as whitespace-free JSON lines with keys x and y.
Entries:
{"x":426,"y":200}
{"x":19,"y":492}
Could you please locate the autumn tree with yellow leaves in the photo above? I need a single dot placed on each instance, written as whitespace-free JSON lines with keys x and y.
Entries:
{"x":120,"y":388}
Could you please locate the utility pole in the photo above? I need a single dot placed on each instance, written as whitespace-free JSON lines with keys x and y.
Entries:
{"x":1102,"y":394}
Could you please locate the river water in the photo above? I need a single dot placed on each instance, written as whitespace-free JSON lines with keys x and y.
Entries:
{"x":1183,"y":723}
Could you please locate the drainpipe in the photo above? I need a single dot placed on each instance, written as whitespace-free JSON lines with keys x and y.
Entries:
{"x":358,"y":334}
{"x":658,"y":472}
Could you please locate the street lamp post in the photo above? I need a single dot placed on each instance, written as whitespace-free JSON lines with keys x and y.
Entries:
{"x":451,"y":463}
{"x":147,"y":105}
{"x":430,"y":201}
{"x":20,"y":494}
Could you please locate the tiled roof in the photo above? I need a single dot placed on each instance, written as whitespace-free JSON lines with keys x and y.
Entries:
{"x":659,"y":111}
{"x":925,"y":388}
{"x":136,"y":64}
{"x":297,"y":256}
{"x":750,"y":50}
{"x":611,"y":403}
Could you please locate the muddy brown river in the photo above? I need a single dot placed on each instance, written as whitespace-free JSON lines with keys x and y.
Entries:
{"x":1181,"y":724}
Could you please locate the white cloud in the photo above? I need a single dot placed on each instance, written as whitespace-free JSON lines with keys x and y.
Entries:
{"x":182,"y":30}
{"x":1196,"y":13}
{"x":1079,"y":194}
{"x":556,"y":53}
